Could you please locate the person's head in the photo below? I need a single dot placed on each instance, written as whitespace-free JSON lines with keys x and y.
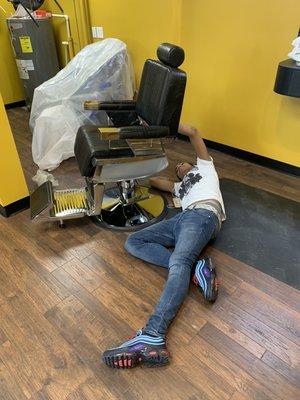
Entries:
{"x":182,"y":169}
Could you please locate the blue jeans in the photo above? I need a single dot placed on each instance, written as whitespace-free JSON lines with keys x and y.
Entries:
{"x":187,"y":232}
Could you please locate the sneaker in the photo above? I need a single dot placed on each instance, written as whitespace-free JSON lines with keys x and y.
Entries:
{"x":141,"y":349}
{"x":205,"y":277}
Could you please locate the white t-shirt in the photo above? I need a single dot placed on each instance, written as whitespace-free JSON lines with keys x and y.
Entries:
{"x":200,"y":183}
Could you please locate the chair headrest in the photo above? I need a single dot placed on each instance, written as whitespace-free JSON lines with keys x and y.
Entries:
{"x":170,"y":54}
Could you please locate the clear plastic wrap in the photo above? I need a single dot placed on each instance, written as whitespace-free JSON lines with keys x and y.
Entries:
{"x":101,"y":71}
{"x":295,"y":53}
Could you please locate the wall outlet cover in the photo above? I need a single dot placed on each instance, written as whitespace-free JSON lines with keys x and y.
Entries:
{"x":97,"y":32}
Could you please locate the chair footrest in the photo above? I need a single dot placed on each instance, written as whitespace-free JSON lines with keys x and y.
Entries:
{"x":69,"y":203}
{"x":41,"y":199}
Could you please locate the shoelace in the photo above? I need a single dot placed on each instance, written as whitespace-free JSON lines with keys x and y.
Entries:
{"x":135,"y":334}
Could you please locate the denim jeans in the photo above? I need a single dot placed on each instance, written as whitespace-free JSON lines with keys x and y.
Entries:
{"x":174,"y":244}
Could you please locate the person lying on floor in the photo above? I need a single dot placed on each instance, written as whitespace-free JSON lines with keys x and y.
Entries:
{"x":188,"y":233}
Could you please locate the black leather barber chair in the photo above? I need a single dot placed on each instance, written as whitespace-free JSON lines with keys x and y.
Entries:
{"x":129,"y":148}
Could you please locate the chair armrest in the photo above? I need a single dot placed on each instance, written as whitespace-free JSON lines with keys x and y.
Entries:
{"x":124,"y":105}
{"x":144,"y":132}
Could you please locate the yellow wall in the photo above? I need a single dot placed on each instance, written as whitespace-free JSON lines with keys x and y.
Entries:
{"x":141,"y":24}
{"x":12,"y":182}
{"x":232,"y":51}
{"x":10,"y":85}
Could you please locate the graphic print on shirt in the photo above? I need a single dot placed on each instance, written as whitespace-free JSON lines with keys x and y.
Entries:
{"x":188,"y":182}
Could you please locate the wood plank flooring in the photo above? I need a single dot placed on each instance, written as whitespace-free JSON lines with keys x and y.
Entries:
{"x":65,"y":295}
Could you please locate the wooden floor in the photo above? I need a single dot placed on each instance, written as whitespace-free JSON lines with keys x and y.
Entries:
{"x":66,"y":295}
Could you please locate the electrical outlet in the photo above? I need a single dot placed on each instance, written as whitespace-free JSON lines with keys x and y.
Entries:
{"x":97,"y":32}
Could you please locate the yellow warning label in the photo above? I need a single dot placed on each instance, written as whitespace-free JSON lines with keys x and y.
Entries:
{"x":26,"y":44}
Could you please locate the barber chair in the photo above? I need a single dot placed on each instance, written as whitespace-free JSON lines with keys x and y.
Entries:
{"x":113,"y":158}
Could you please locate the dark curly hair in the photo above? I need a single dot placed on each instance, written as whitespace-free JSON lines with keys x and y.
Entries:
{"x":177,"y":172}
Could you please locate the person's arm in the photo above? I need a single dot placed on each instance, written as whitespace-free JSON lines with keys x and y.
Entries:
{"x":162,"y":183}
{"x":196,"y":140}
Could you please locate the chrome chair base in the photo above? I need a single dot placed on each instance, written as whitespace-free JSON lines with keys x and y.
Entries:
{"x":144,"y":209}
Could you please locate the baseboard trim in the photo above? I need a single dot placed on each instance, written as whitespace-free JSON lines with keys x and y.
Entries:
{"x":14,"y":208}
{"x":21,"y":103}
{"x":255,"y":158}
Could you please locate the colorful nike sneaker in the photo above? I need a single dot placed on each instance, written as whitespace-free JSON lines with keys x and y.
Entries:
{"x":206,"y":278}
{"x":141,"y":349}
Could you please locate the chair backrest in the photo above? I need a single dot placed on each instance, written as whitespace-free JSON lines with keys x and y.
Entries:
{"x":162,"y":88}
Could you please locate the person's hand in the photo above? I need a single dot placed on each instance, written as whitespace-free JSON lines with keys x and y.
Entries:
{"x":187,"y":130}
{"x":196,"y":140}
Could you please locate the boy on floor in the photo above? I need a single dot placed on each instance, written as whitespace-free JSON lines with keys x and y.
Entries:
{"x":187,"y":233}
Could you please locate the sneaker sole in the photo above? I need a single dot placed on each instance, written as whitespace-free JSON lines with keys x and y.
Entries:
{"x":213,"y":290}
{"x":127,"y":360}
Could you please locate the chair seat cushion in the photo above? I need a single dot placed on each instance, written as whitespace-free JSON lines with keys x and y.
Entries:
{"x":89,"y":146}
